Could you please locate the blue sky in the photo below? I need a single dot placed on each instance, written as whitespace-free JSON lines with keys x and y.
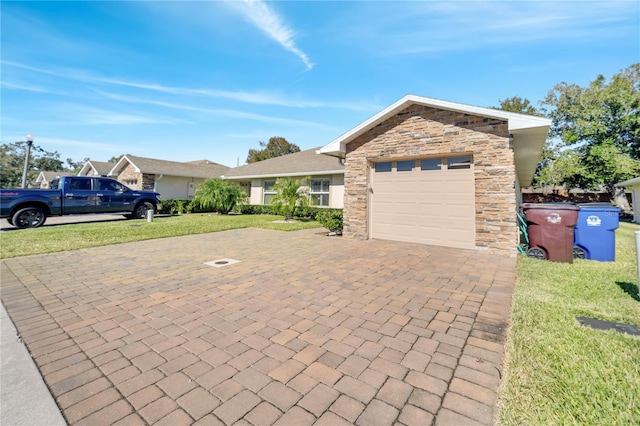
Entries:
{"x":190,"y":80}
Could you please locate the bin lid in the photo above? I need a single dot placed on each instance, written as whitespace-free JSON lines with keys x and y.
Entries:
{"x":599,"y":206}
{"x":550,"y":206}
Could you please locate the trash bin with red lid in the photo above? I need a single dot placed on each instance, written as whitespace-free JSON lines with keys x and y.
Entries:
{"x":550,"y":229}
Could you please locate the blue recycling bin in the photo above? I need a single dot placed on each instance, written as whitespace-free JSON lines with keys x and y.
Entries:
{"x":594,"y":234}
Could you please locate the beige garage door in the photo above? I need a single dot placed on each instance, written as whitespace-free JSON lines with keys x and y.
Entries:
{"x":427,"y":201}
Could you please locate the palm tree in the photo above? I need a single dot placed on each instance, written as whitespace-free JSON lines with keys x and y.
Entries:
{"x":218,"y":195}
{"x":290,"y":193}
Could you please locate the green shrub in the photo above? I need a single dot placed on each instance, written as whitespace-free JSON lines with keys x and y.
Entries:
{"x":219,"y":195}
{"x":290,"y":194}
{"x":254,"y":209}
{"x":331,"y":219}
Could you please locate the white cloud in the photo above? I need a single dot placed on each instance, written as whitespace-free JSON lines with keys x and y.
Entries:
{"x":255,"y":97}
{"x":267,"y":20}
{"x":435,"y":27}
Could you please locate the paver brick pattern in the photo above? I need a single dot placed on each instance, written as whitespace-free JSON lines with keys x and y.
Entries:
{"x":304,"y":329}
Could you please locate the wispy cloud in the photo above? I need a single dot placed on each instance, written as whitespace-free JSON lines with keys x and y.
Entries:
{"x":267,"y":20}
{"x":224,"y":112}
{"x":84,"y":144}
{"x":255,"y":97}
{"x":26,"y":88}
{"x":437,"y":27}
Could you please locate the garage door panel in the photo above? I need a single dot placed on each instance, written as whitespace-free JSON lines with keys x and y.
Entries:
{"x":427,"y":207}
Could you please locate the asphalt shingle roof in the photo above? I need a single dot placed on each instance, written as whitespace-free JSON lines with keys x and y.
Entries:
{"x":297,"y":164}
{"x":200,"y":169}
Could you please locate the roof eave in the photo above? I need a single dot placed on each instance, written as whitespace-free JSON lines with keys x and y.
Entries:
{"x":630,"y":182}
{"x":293,"y":174}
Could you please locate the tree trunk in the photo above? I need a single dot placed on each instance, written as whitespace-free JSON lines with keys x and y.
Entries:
{"x":620,"y":199}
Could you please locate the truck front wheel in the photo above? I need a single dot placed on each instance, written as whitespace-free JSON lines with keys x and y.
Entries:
{"x":141,"y":209}
{"x":29,"y":217}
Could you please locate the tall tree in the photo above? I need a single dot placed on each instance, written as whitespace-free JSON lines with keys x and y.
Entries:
{"x":75,"y":166}
{"x":519,"y":105}
{"x":12,"y":158}
{"x":597,"y":131}
{"x":276,"y":147}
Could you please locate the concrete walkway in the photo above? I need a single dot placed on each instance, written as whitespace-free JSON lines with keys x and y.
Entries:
{"x":24,"y":397}
{"x":304,"y":329}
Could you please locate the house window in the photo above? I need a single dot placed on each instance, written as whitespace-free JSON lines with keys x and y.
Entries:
{"x":431,"y":164}
{"x":131,"y":182}
{"x":319,"y":192}
{"x":458,"y":163}
{"x":268,"y":191}
{"x":405,"y":166}
{"x":383,"y":167}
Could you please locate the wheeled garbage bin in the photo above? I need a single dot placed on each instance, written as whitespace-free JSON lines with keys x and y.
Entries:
{"x":594,"y":234}
{"x":550,"y":228}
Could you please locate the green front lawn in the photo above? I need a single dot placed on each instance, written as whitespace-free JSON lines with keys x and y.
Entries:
{"x":48,"y":239}
{"x":558,"y":372}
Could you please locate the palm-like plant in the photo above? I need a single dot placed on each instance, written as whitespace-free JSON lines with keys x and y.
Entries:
{"x":290,"y":193}
{"x":218,"y":195}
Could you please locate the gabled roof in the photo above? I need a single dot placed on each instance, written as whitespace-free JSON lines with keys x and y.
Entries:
{"x":49,"y":176}
{"x":303,"y":163}
{"x":101,"y":168}
{"x":199,"y":169}
{"x":529,"y":132}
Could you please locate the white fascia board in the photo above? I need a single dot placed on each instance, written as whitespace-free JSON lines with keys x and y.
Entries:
{"x":80,"y":172}
{"x":124,"y":158}
{"x":630,"y":182}
{"x":515,"y":121}
{"x":277,"y":175}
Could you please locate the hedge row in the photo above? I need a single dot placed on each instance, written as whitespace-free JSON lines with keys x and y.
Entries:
{"x":179,"y":206}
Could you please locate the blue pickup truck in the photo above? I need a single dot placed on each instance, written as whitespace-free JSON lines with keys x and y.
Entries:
{"x":29,"y":208}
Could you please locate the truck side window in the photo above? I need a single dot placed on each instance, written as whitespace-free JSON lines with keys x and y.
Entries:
{"x":80,"y":184}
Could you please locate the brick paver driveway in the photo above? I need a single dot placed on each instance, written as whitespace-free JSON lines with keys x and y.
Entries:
{"x":304,"y":329}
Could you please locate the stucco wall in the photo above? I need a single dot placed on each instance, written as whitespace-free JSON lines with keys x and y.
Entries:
{"x":336,"y":189}
{"x":176,"y":186}
{"x":420,"y":131}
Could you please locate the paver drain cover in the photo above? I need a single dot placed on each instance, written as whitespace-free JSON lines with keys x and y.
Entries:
{"x":609,"y":325}
{"x":219,"y":263}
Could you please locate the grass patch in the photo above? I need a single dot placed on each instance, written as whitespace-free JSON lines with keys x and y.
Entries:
{"x":558,"y":372}
{"x":49,"y":239}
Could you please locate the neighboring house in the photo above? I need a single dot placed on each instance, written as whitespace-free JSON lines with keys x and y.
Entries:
{"x":634,"y":186}
{"x":96,"y":168}
{"x":441,"y":173}
{"x":43,"y":181}
{"x":326,"y":173}
{"x":171,"y":179}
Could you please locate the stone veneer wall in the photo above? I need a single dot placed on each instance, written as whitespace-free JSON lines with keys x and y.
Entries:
{"x":130,"y":173}
{"x":420,"y":131}
{"x":148,"y":182}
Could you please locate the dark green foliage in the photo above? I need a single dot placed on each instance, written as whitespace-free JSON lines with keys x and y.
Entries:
{"x":12,"y":158}
{"x":254,"y":209}
{"x":596,"y":130}
{"x":331,"y":219}
{"x":519,"y":105}
{"x":219,"y":195}
{"x":276,"y":147}
{"x":290,"y":193}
